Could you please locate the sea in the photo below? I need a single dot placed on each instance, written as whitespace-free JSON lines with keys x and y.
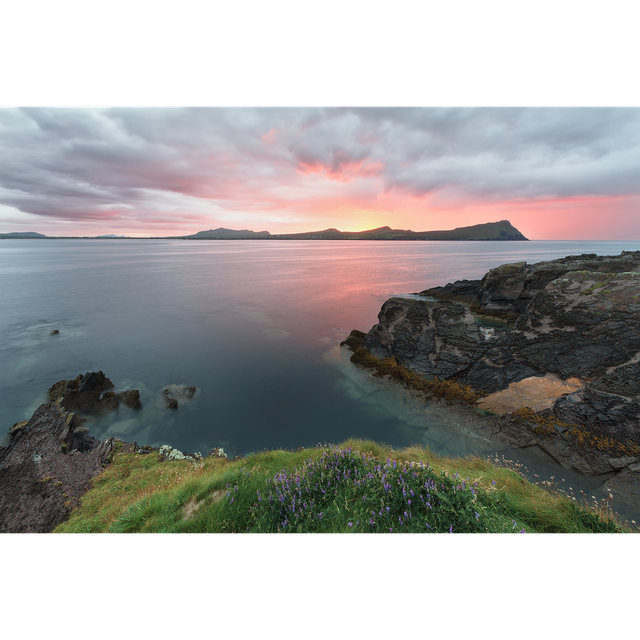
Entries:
{"x":254,"y":325}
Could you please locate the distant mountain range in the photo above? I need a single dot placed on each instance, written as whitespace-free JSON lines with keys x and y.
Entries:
{"x":229,"y":234}
{"x":490,"y":231}
{"x":502,"y":230}
{"x":25,"y":234}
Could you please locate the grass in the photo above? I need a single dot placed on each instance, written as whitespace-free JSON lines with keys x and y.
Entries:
{"x":357,"y":486}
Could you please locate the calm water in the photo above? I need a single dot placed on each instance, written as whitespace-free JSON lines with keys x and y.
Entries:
{"x":254,"y":325}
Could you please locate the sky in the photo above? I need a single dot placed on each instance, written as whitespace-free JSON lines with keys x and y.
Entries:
{"x":554,"y":173}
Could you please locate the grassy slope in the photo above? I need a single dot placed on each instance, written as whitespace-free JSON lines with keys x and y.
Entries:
{"x":141,"y":493}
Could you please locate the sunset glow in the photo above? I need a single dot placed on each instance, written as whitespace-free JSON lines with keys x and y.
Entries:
{"x":553,"y":173}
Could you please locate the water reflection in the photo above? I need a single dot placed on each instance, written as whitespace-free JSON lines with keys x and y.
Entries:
{"x":249,"y":323}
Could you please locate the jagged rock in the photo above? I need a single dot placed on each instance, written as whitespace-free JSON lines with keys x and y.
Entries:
{"x":50,"y":459}
{"x":108,"y":402}
{"x":434,"y":338}
{"x":43,"y":471}
{"x":91,"y":392}
{"x":80,"y":394}
{"x":130,"y":398}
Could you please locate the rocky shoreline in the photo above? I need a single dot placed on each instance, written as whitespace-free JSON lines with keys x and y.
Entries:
{"x":51,"y":459}
{"x":553,"y":347}
{"x":549,"y":354}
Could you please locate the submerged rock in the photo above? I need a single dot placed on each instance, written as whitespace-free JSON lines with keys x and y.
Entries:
{"x":173,"y":396}
{"x":538,"y":393}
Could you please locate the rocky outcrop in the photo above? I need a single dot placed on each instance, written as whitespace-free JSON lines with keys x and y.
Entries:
{"x":505,"y":292}
{"x":91,"y":392}
{"x":51,"y":459}
{"x":44,"y":470}
{"x":577,"y":318}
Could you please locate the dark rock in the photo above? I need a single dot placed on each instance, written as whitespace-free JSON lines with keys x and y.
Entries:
{"x":130,"y":398}
{"x":108,"y":402}
{"x":459,"y":291}
{"x":39,"y":482}
{"x":17,"y":427}
{"x":354,"y":340}
{"x":80,"y":394}
{"x":55,"y":332}
{"x":170,"y":403}
{"x":91,"y":392}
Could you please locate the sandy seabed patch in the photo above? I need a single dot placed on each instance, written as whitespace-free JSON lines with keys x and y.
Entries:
{"x":537,"y":393}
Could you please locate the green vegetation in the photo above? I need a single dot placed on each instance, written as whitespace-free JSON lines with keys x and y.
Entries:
{"x":357,"y":486}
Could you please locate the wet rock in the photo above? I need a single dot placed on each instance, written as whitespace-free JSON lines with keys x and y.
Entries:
{"x":130,"y":398}
{"x":354,"y":340}
{"x":91,"y":392}
{"x":174,"y":396}
{"x":170,"y":403}
{"x":81,"y":394}
{"x":107,"y":402}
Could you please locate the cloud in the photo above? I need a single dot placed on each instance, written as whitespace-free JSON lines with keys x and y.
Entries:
{"x":198,"y":166}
